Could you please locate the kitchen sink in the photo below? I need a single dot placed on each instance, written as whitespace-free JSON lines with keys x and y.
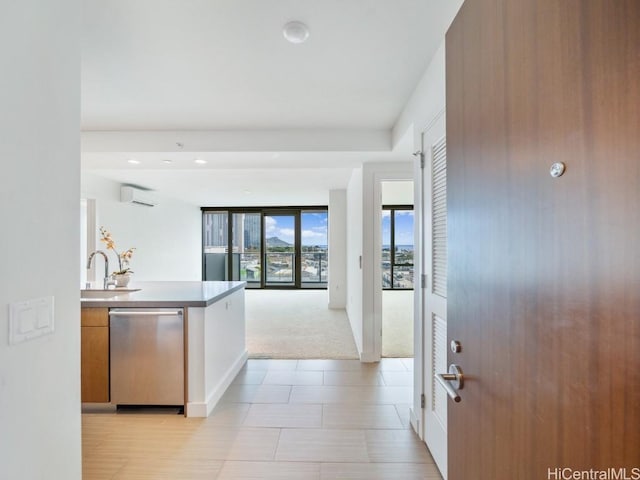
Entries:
{"x":95,"y":293}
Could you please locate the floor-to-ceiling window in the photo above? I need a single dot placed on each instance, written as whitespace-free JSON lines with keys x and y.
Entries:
{"x":275,"y":247}
{"x":314,"y":244}
{"x":281,"y":248}
{"x":397,"y":247}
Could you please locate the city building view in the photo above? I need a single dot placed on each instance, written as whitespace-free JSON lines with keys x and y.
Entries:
{"x":279,"y":257}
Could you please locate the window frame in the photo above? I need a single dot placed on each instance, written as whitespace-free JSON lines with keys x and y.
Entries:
{"x":265,"y":211}
{"x":392,"y":245}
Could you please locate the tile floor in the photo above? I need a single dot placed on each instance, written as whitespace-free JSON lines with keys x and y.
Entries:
{"x":280,"y":419}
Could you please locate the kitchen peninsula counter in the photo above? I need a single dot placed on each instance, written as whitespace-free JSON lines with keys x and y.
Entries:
{"x":214,"y":333}
{"x":167,"y":294}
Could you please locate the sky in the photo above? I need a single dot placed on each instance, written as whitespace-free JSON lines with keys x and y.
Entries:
{"x":314,"y":227}
{"x":403,"y":227}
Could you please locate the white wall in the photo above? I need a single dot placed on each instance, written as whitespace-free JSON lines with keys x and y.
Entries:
{"x":354,"y":253}
{"x":424,"y":112}
{"x":337,"y":285}
{"x":426,"y":102}
{"x":40,"y":218}
{"x":399,"y":192}
{"x":167,"y":237}
{"x":364,"y":280}
{"x":374,"y":174}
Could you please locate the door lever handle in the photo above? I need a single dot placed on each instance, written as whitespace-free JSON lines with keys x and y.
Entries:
{"x":452,"y":381}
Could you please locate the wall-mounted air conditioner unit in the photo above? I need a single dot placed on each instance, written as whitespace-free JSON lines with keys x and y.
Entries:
{"x":137,"y":196}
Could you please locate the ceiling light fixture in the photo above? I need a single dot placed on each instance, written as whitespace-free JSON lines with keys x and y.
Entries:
{"x":133,"y":161}
{"x":167,"y":161}
{"x":200,"y":161}
{"x":295,"y":32}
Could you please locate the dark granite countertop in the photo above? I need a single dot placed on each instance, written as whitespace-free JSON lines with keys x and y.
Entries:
{"x":166,"y":294}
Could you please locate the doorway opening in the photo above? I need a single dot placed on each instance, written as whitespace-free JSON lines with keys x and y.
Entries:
{"x":397,"y":268}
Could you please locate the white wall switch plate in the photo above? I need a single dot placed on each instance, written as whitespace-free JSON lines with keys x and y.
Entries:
{"x":30,"y":319}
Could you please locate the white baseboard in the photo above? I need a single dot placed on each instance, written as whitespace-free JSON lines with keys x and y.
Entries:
{"x":196,"y":409}
{"x":204,"y":409}
{"x":367,"y":357}
{"x":415,"y":422}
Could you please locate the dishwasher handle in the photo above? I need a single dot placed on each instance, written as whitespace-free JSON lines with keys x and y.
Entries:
{"x":138,"y":313}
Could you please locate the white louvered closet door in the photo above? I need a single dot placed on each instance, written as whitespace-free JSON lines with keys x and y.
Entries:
{"x":435,"y":297}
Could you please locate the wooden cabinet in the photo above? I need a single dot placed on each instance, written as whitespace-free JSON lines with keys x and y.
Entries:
{"x":94,"y":365}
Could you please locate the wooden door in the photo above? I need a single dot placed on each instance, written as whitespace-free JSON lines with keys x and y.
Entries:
{"x":434,"y":295}
{"x":544,"y":273}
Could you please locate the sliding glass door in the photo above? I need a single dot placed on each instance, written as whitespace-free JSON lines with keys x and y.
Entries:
{"x":280,"y":252}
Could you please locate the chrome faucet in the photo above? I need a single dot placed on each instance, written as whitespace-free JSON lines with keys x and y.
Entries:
{"x":107,"y":277}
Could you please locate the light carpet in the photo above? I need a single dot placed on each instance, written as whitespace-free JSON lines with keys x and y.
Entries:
{"x":397,"y":323}
{"x":296,"y":324}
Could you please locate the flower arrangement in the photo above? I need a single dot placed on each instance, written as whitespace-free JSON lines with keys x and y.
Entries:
{"x":123,"y":258}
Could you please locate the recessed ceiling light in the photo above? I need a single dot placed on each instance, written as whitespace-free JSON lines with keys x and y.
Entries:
{"x":133,"y":161}
{"x":166,"y":161}
{"x":295,"y":32}
{"x":200,"y":161}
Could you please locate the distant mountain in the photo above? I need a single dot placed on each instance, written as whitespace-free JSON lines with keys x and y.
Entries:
{"x":276,"y":242}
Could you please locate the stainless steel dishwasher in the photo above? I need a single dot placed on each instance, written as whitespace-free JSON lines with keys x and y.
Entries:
{"x":147,"y":356}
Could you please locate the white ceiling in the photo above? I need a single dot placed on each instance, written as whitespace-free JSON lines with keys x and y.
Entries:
{"x":223,"y":65}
